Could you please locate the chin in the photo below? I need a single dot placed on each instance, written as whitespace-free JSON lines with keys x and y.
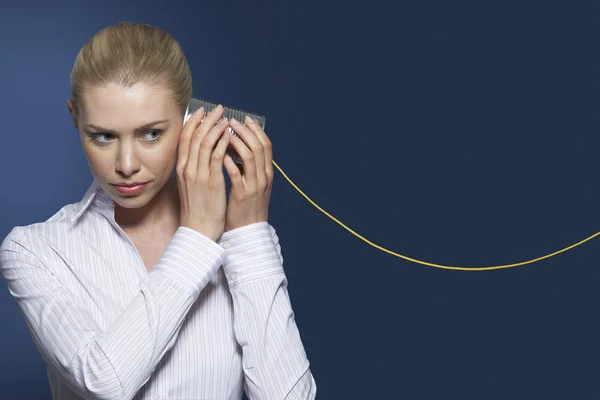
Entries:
{"x":131,"y":202}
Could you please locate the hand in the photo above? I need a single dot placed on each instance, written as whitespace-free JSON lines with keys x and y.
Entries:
{"x":200,"y":178}
{"x":251,"y":186}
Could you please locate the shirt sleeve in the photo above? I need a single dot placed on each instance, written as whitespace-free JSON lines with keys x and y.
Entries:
{"x":273,"y":356}
{"x":113,"y":363}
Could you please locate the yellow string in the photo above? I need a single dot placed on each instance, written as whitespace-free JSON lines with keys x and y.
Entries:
{"x":423,"y":262}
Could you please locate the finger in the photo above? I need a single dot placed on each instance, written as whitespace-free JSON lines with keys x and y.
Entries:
{"x":255,"y":146}
{"x":216,"y":159}
{"x":247,"y":157}
{"x":186,"y":135}
{"x":214,"y":116}
{"x":198,"y":136}
{"x":234,"y":155}
{"x":234,"y":173}
{"x":208,"y":145}
{"x":266,"y":142}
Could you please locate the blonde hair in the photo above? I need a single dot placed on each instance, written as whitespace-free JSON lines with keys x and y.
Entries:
{"x":128,"y":53}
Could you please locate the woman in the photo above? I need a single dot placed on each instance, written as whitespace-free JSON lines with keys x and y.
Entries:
{"x":123,"y":292}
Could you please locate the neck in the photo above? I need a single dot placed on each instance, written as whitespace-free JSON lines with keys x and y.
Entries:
{"x":161,"y":213}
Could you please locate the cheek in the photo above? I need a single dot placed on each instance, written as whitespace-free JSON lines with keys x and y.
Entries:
{"x":169,"y":149}
{"x":98,"y":161}
{"x":160,"y":157}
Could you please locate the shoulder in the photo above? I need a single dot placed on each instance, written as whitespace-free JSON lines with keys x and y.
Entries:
{"x":26,"y":236}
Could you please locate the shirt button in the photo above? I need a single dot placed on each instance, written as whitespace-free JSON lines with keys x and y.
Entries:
{"x":225,"y":244}
{"x":232,"y":276}
{"x":155,"y":396}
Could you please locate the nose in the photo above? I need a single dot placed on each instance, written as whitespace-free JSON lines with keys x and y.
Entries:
{"x":128,"y":162}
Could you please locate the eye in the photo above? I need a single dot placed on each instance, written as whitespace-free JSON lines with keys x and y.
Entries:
{"x":95,"y":137}
{"x":152,"y":136}
{"x":157,"y":134}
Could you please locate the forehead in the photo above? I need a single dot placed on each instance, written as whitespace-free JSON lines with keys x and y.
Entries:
{"x":120,"y":105}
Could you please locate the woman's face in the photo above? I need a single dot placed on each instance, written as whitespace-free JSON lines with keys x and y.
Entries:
{"x":129,"y":135}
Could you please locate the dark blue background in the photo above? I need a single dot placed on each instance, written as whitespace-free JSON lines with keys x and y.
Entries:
{"x":460,"y":133}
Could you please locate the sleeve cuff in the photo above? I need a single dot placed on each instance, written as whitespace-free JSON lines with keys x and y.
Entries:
{"x":251,"y":254}
{"x":191,"y":258}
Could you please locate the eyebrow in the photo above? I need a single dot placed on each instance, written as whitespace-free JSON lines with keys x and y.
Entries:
{"x":137,"y":130}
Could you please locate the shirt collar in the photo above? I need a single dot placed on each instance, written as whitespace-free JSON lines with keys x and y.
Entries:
{"x":94,"y":195}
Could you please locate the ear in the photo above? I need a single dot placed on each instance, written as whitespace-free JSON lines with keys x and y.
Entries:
{"x":72,"y":112}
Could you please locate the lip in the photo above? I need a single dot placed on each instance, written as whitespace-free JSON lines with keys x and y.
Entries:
{"x":129,"y":184}
{"x":131,"y":188}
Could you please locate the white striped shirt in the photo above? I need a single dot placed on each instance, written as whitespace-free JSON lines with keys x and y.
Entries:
{"x":209,"y":321}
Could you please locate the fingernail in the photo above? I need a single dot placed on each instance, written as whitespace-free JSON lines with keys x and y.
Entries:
{"x":198,"y":111}
{"x":234,"y":121}
{"x":249,"y":119}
